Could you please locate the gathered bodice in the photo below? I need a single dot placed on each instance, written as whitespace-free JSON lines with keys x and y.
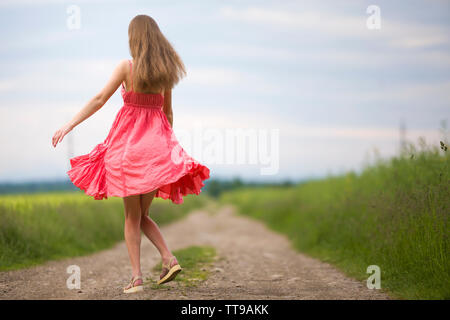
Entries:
{"x":138,"y":99}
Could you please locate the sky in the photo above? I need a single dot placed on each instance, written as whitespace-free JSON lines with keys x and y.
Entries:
{"x":305,"y":86}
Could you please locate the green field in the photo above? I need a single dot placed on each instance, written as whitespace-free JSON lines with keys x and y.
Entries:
{"x":38,"y":227}
{"x":395,"y":214}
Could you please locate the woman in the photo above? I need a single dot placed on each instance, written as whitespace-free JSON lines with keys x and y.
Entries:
{"x":141,"y":157}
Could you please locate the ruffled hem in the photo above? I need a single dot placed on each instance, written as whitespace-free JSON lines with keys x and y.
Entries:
{"x":88,"y":172}
{"x":189,"y":183}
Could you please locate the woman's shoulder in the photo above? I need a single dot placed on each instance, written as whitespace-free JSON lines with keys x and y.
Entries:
{"x":123,"y":67}
{"x":124,"y":63}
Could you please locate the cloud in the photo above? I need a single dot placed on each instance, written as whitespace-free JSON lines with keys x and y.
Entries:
{"x":334,"y":57}
{"x":245,"y":50}
{"x":56,"y":75}
{"x":220,"y":77}
{"x":223,"y":120}
{"x":29,"y":3}
{"x":214,"y":76}
{"x":15,"y":3}
{"x":308,"y":20}
{"x":397,"y":34}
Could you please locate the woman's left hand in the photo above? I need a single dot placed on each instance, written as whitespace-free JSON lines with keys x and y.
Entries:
{"x":59,"y":135}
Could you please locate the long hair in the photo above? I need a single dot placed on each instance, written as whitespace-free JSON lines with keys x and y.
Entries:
{"x":156,"y":64}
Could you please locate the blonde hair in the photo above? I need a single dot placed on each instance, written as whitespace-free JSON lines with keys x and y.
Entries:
{"x":156,"y":64}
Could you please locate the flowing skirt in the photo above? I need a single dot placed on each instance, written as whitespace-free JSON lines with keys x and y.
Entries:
{"x":140,"y":154}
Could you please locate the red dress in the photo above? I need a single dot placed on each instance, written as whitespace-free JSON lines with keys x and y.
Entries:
{"x":139,"y":155}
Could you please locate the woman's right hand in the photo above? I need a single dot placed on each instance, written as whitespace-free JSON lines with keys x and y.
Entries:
{"x":59,"y":134}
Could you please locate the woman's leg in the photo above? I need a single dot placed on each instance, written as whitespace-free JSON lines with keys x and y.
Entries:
{"x":151,"y":229}
{"x":132,"y":232}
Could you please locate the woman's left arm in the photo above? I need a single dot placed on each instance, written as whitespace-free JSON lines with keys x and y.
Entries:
{"x":95,"y":103}
{"x":167,"y":108}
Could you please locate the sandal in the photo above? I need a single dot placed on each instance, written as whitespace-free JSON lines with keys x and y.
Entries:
{"x":133,"y":288}
{"x":169,"y":273}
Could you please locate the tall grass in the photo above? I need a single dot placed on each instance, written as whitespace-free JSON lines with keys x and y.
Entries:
{"x":395,"y":214}
{"x":38,"y":227}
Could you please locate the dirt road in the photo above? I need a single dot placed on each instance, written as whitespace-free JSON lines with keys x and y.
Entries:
{"x":253,"y":263}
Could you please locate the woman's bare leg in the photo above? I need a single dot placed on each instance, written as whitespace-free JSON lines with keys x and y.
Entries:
{"x":132,"y":232}
{"x":151,"y":229}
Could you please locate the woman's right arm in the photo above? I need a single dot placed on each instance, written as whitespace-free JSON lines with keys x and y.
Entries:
{"x":168,"y":106}
{"x":103,"y":96}
{"x":95,"y":103}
